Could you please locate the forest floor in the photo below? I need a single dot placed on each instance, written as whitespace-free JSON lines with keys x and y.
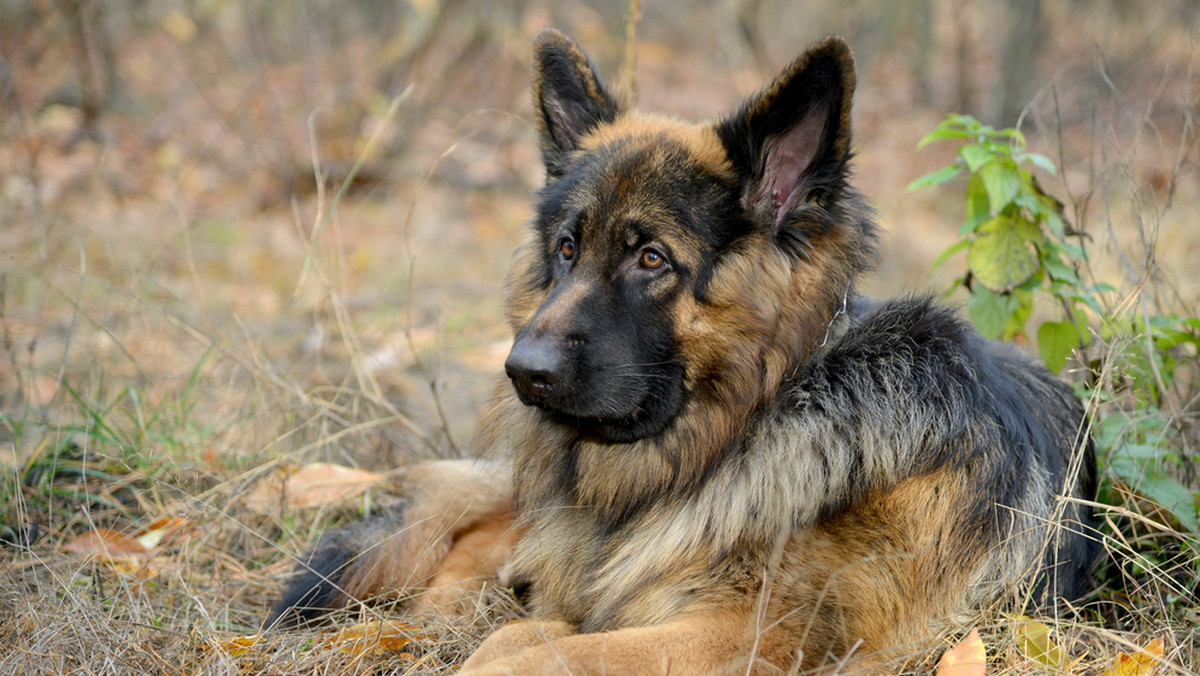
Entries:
{"x":243,"y":242}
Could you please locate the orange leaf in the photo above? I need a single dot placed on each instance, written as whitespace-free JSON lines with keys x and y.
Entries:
{"x":373,"y":637}
{"x":1140,"y":663}
{"x":161,"y":529}
{"x":238,"y":645}
{"x":313,"y":485}
{"x":968,"y":658}
{"x":322,"y":483}
{"x":101,"y":542}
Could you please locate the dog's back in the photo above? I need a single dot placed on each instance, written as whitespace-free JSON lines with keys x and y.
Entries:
{"x":952,"y":450}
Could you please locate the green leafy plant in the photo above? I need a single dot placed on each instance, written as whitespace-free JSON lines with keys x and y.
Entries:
{"x":1159,"y":346}
{"x":1142,"y":451}
{"x":1015,"y":239}
{"x":1017,"y":249}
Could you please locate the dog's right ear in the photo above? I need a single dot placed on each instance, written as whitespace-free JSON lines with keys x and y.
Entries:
{"x":569,"y":98}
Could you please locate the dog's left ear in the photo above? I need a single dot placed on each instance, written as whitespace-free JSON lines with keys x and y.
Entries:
{"x":569,"y":97}
{"x":791,"y":142}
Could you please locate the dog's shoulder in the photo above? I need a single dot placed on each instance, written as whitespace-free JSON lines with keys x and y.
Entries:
{"x":922,"y":346}
{"x":913,"y":381}
{"x":908,"y":345}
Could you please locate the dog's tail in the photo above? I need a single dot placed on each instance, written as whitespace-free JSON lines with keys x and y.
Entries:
{"x":455,"y":529}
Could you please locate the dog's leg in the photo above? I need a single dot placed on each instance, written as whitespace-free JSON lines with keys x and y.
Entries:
{"x":455,"y":531}
{"x":700,"y":644}
{"x":475,"y":557}
{"x":514,"y":637}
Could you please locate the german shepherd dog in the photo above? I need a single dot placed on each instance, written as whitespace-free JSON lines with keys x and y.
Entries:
{"x":715,"y":455}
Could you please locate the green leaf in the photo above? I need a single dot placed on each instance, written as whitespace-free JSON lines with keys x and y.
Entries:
{"x":1055,"y":222}
{"x":1088,"y":300}
{"x":941,"y":133}
{"x":1049,"y":209}
{"x":1025,"y":199}
{"x":962,"y":119}
{"x":1060,"y":270}
{"x":1002,"y":184}
{"x":1176,"y":497}
{"x":1004,"y":255}
{"x":1144,"y":477}
{"x":947,"y":173}
{"x":977,"y":206}
{"x":1041,"y":162}
{"x":1056,"y":340}
{"x":990,"y":311}
{"x":1024,"y":308}
{"x":1074,"y":251}
{"x":969,"y":226}
{"x":1148,"y":452}
{"x":975,"y":156}
{"x":1010,"y":134}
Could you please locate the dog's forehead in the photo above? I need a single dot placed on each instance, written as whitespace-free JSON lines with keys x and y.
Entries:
{"x":658,"y":138}
{"x":640,"y":174}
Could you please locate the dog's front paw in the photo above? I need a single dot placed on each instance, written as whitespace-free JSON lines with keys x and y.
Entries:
{"x":501,"y":653}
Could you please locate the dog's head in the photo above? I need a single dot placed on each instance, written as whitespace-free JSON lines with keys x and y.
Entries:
{"x":670,"y":263}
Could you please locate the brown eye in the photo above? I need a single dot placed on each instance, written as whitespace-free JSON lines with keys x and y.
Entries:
{"x":567,"y":249}
{"x":652,"y":260}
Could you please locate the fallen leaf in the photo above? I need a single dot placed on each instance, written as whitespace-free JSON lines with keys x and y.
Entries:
{"x":238,"y":645}
{"x":322,"y":483}
{"x":373,"y":637}
{"x":1140,"y":663}
{"x":968,"y":658}
{"x":160,"y":530}
{"x":105,"y":542}
{"x":319,"y":483}
{"x":1034,"y":639}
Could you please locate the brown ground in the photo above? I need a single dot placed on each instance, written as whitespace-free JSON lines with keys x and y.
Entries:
{"x":193,"y":291}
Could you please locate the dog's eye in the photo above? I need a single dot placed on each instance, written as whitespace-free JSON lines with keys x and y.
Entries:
{"x":567,"y":249}
{"x":652,"y":260}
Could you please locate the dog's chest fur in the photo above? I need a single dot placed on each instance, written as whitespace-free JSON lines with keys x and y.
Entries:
{"x":814,"y":456}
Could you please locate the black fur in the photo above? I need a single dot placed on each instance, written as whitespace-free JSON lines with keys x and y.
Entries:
{"x":318,"y":581}
{"x":979,"y":405}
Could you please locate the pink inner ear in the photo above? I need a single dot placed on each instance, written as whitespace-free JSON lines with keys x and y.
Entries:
{"x":788,"y":155}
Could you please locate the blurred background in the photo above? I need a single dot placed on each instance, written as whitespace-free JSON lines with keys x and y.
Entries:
{"x":240,"y":237}
{"x":179,"y":177}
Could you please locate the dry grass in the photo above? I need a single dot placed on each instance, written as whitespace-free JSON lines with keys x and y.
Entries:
{"x":282,"y":241}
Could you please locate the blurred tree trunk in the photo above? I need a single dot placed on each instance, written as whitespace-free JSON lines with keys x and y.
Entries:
{"x":747,"y":23}
{"x":1015,"y":80}
{"x":95,"y":60}
{"x":924,"y":18}
{"x":964,"y":59}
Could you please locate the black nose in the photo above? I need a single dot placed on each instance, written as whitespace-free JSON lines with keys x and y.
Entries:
{"x":535,"y":366}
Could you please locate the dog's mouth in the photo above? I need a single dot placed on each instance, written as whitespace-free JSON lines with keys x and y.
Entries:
{"x":614,"y":409}
{"x":639,"y":424}
{"x":590,"y":413}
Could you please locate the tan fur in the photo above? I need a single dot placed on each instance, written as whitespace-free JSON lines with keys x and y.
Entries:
{"x":474,"y":560}
{"x":702,"y":143}
{"x":701,"y":644}
{"x":896,"y":558}
{"x":459,"y":530}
